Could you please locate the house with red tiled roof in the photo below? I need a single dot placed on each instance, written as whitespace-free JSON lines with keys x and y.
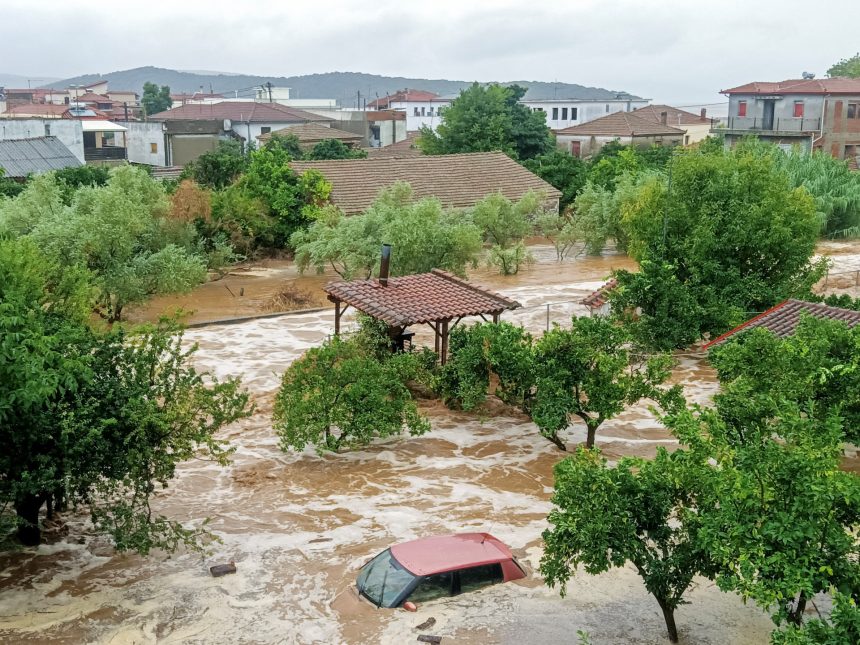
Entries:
{"x":421,"y":108}
{"x":195,"y":128}
{"x":810,"y":113}
{"x":695,"y":126}
{"x":586,"y":139}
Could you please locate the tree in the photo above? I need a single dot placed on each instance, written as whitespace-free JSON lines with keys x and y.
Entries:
{"x":560,"y":230}
{"x":817,"y":368}
{"x":334,"y":149}
{"x":589,"y":373}
{"x":561,"y":170}
{"x":487,"y":119}
{"x":288,"y":143}
{"x":9,"y":187}
{"x":220,"y":167}
{"x":337,"y":396}
{"x":155,"y":99}
{"x":505,"y":225}
{"x":95,"y":418}
{"x":422,"y":233}
{"x":640,"y":511}
{"x":120,"y":232}
{"x":293,"y":200}
{"x":841,"y":628}
{"x":849,"y":67}
{"x":738,"y":237}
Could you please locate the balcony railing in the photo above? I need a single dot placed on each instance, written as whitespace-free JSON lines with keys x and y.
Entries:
{"x":778,"y":124}
{"x":109,"y":153}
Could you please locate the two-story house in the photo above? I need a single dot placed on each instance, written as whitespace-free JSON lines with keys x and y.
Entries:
{"x":810,"y":113}
{"x":421,"y":108}
{"x":565,"y":113}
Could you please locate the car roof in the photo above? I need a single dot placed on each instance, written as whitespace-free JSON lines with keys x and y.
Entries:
{"x":442,"y":553}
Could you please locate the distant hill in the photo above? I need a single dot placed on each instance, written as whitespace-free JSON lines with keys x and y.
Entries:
{"x":342,"y":86}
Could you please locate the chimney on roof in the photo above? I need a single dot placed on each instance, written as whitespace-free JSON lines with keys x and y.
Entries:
{"x":704,"y":114}
{"x":384,"y":265}
{"x":664,"y":118}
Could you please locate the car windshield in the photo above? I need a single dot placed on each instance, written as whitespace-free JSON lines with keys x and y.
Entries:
{"x":383,"y":580}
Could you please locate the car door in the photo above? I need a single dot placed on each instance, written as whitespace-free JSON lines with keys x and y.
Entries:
{"x":440,"y":585}
{"x":475,"y":578}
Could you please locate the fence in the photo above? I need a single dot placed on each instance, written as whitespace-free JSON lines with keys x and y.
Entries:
{"x":835,"y":280}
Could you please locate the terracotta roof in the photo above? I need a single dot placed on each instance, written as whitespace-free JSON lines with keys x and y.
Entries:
{"x":800,"y":86}
{"x":40,"y":109}
{"x":458,"y":181}
{"x":91,"y":97}
{"x":313,"y":133}
{"x":403,"y":95}
{"x":674,"y":116}
{"x":597,"y":299}
{"x":621,"y":124}
{"x":782,"y":319}
{"x":241,"y":111}
{"x":419,"y":298}
{"x":405,"y":148}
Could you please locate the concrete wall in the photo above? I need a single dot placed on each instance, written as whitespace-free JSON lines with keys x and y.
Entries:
{"x":250,"y":131}
{"x":585,"y":110}
{"x":421,"y":113}
{"x":590,"y":145}
{"x":840,"y":132}
{"x":68,"y":131}
{"x":145,"y":142}
{"x":783,"y":112}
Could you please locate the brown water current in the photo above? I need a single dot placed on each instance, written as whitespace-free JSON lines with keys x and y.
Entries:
{"x":299,"y":525}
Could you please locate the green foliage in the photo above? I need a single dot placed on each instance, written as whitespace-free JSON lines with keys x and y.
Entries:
{"x":155,"y":99}
{"x":288,"y":143}
{"x":423,"y":236}
{"x":615,"y":160}
{"x":641,"y":511}
{"x":588,"y":372}
{"x":337,"y":396}
{"x":560,"y":229}
{"x":9,"y":187}
{"x":334,"y":149}
{"x":841,"y":628}
{"x":849,"y":67}
{"x":219,"y":168}
{"x":120,"y":232}
{"x":244,"y":219}
{"x":505,"y":225}
{"x":738,"y":237}
{"x":293,"y":200}
{"x":598,"y":211}
{"x":561,"y":170}
{"x":73,"y":178}
{"x":91,"y":418}
{"x":817,"y":368}
{"x":486,"y":119}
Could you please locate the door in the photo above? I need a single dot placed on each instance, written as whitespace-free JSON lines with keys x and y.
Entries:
{"x":89,"y":139}
{"x":767,"y":116}
{"x":576,"y":148}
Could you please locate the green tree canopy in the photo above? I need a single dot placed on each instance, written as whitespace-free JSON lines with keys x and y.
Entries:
{"x":849,"y":67}
{"x":334,"y":149}
{"x":505,"y":225}
{"x":561,"y":170}
{"x":486,"y":119}
{"x":423,"y":236}
{"x":220,"y":167}
{"x":737,"y":236}
{"x":155,"y":99}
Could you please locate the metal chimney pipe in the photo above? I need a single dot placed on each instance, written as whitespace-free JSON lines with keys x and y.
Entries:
{"x":664,"y":118}
{"x":384,"y":265}
{"x":704,"y":113}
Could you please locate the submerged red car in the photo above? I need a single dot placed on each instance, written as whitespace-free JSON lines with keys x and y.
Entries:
{"x":435,"y":567}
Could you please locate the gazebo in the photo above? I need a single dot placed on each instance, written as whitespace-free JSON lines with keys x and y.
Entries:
{"x":438,"y":299}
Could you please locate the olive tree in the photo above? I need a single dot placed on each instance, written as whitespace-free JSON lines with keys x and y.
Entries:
{"x":505,"y":225}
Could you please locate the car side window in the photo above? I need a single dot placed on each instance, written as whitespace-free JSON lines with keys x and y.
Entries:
{"x":432,"y":587}
{"x":477,"y":577}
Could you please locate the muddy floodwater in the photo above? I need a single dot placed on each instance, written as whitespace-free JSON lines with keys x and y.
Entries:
{"x":298,"y":526}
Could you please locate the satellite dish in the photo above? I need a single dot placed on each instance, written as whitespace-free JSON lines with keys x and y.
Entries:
{"x":808,"y":76}
{"x":227,"y":124}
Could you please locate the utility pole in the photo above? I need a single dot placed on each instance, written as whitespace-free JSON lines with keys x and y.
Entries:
{"x":269,"y":87}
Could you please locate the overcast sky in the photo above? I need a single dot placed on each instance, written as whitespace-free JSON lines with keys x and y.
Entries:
{"x":668,"y":50}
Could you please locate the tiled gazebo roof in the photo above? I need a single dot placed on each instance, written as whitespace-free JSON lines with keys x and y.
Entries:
{"x":783,"y":319}
{"x":419,"y":298}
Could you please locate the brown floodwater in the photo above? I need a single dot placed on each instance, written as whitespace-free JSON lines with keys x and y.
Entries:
{"x":298,"y":526}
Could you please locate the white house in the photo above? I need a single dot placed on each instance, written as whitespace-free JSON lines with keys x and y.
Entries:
{"x":564,"y":113}
{"x":421,"y":108}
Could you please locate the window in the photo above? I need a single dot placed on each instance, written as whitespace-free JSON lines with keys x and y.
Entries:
{"x":153,"y":148}
{"x":417,"y":113}
{"x":607,"y":108}
{"x":798,"y":109}
{"x":564,"y":114}
{"x":742,"y":108}
{"x":422,"y":112}
{"x":477,"y":577}
{"x":433,"y":587}
{"x":854,"y":110}
{"x":47,"y":129}
{"x":555,"y":114}
{"x":573,"y":114}
{"x":265,"y":129}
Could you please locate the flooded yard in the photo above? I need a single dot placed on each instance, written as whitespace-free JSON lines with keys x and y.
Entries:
{"x":298,"y":526}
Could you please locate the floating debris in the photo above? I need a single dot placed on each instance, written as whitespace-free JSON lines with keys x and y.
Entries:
{"x":222,"y":569}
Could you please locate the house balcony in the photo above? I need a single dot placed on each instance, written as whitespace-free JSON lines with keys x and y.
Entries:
{"x":105,"y":154}
{"x":776,"y":127}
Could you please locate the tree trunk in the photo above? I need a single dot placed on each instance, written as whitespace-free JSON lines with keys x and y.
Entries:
{"x":27,"y":510}
{"x":669,"y":617}
{"x":796,"y":615}
{"x":592,"y":431}
{"x":558,"y":442}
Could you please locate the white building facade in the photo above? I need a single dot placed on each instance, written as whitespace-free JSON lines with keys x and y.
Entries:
{"x":564,"y":113}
